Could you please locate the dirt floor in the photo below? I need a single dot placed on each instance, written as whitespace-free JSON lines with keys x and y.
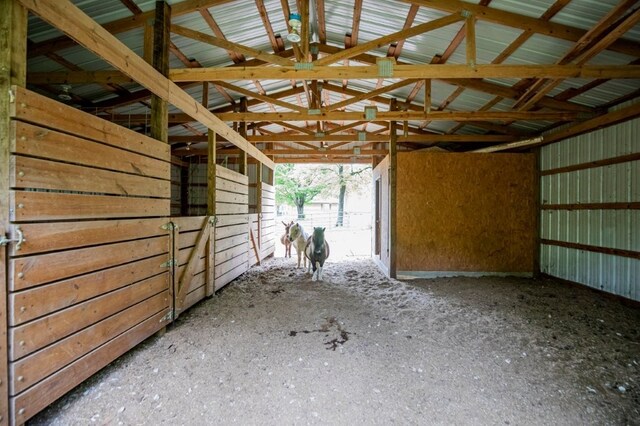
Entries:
{"x":275,"y":348}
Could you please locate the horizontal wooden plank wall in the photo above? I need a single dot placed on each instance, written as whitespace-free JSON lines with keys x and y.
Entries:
{"x":268,"y":221}
{"x":88,"y":283}
{"x":232,"y":226}
{"x":186,"y":236}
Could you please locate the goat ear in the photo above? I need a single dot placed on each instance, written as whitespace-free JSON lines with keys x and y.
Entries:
{"x":284,"y":224}
{"x":323,"y":229}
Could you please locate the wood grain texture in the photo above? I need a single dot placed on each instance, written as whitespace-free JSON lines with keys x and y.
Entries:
{"x":34,"y":270}
{"x":466,"y":212}
{"x":41,"y":364}
{"x":48,"y":237}
{"x":43,"y":174}
{"x":37,"y":334}
{"x":47,"y":206}
{"x":42,"y":300}
{"x":37,"y":109}
{"x":36,"y":141}
{"x":28,"y":403}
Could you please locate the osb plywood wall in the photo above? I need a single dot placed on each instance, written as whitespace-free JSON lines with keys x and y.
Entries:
{"x":466,"y":212}
{"x":381,"y":172}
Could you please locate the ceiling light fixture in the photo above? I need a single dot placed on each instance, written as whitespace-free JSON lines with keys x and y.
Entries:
{"x":64,"y":95}
{"x":296,"y":23}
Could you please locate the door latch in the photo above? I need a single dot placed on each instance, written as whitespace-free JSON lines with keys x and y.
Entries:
{"x":4,"y":240}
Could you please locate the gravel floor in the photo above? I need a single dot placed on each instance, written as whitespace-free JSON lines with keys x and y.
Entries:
{"x":275,"y":348}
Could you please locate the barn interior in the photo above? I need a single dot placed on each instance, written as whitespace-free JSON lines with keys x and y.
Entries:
{"x":139,"y":138}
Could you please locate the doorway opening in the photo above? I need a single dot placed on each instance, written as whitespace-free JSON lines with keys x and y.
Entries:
{"x":337,"y":197}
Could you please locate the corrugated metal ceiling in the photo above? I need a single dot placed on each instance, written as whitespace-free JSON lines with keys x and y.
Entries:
{"x":241,"y":23}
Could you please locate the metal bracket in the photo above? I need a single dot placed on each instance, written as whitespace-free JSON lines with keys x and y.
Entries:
{"x":320,"y":135}
{"x":315,"y":112}
{"x":4,"y":240}
{"x":168,"y":317}
{"x":169,"y":226}
{"x":213,"y":220}
{"x":385,"y":67}
{"x":303,"y":66}
{"x":169,"y":263}
{"x":466,"y":13}
{"x":370,"y":113}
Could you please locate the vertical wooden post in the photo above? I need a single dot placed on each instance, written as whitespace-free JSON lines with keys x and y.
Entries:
{"x":427,"y":95}
{"x":393,"y":166}
{"x":148,"y":41}
{"x":537,"y":207}
{"x":304,"y":31}
{"x":13,"y":71}
{"x":160,"y":107}
{"x":471,"y":40}
{"x":184,"y":190}
{"x":259,"y":201}
{"x":205,"y":94}
{"x":243,"y":169}
{"x":211,"y":211}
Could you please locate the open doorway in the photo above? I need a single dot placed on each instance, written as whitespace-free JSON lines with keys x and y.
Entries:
{"x":337,"y":197}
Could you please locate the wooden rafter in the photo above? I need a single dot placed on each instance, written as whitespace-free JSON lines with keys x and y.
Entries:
{"x":409,"y":71}
{"x":522,"y":22}
{"x":76,"y":24}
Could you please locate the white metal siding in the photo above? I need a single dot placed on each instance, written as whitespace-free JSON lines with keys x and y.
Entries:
{"x":618,"y":229}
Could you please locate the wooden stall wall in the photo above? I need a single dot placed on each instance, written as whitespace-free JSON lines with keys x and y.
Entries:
{"x":231,"y":226}
{"x":466,"y":213}
{"x":268,"y":221}
{"x":193,"y":274}
{"x":90,"y":279}
{"x":381,"y":250}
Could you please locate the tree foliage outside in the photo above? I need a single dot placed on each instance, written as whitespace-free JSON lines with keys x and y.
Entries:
{"x":346,"y":177}
{"x":297,"y":185}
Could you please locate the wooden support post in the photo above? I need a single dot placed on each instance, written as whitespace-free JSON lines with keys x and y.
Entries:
{"x":160,"y":107}
{"x":427,"y":95}
{"x":243,"y":169}
{"x":304,"y":31}
{"x":205,"y":94}
{"x":393,"y":166}
{"x":148,"y":42}
{"x":471,"y":40}
{"x":13,"y":71}
{"x":259,"y":200}
{"x":184,"y":190}
{"x":211,"y":211}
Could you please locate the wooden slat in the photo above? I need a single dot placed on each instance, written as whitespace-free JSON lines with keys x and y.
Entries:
{"x":41,"y":364}
{"x":268,"y":209}
{"x":225,"y":243}
{"x":231,"y":264}
{"x":30,"y":271}
{"x":39,"y":333}
{"x":187,"y":239}
{"x":228,"y":254}
{"x":200,"y":263}
{"x":227,"y":185}
{"x":43,"y":237}
{"x":595,"y":249}
{"x":268,"y":202}
{"x":225,"y":173}
{"x":38,"y":109}
{"x":194,"y":297}
{"x":40,"y":142}
{"x":229,"y":231}
{"x":42,"y":174}
{"x":188,"y":223}
{"x":28,"y":403}
{"x":188,"y":272}
{"x":46,"y":206}
{"x":224,"y":208}
{"x":42,"y":300}
{"x":268,"y":188}
{"x":228,"y":220}
{"x":230,"y":197}
{"x":231,"y":275}
{"x":183,"y":256}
